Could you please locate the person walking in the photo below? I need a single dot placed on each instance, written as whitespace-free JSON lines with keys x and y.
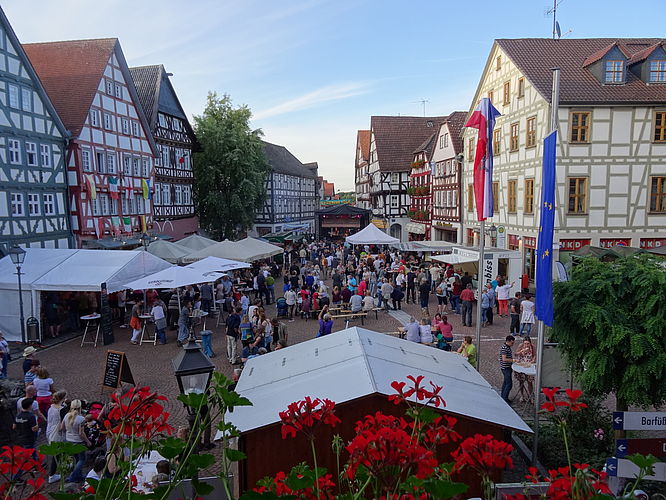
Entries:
{"x":467,"y":299}
{"x":72,"y":424}
{"x":506,"y":360}
{"x":440,"y":293}
{"x":135,"y":321}
{"x":527,"y":318}
{"x":503,"y":297}
{"x":456,"y":290}
{"x":290,"y":298}
{"x":514,"y":309}
{"x":386,"y":291}
{"x":411,"y":286}
{"x":53,"y":432}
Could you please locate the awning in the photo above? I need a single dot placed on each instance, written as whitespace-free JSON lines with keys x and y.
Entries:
{"x":454,"y":259}
{"x":278,"y":237}
{"x":415,"y":228}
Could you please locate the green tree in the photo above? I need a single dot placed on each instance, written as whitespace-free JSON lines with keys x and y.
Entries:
{"x":231,"y":170}
{"x":610,"y":322}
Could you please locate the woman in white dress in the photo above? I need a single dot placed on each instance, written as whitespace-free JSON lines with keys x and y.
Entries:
{"x":527,"y":318}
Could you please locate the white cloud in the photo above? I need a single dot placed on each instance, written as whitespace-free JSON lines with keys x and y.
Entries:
{"x":316,"y":97}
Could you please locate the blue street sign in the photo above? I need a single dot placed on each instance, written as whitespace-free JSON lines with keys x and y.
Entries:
{"x":621,"y":448}
{"x":618,"y":420}
{"x":611,"y":466}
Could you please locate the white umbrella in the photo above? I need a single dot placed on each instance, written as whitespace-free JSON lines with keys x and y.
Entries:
{"x":217,"y":264}
{"x":260,"y":249}
{"x":195,"y":242}
{"x":174,"y":277}
{"x":171,"y":252}
{"x":224,"y":249}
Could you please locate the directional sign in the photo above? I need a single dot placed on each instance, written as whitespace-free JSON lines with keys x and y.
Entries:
{"x":621,"y":467}
{"x":656,"y":447}
{"x":639,"y":420}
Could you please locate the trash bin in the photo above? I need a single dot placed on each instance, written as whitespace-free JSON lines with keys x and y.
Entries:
{"x":32,"y":329}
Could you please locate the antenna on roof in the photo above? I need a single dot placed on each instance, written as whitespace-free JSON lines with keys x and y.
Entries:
{"x":557,"y":34}
{"x":423,"y":103}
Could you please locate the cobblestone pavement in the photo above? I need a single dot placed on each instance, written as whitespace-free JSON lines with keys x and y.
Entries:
{"x":79,"y":370}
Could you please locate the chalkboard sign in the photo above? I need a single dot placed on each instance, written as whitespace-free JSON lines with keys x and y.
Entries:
{"x":105,"y":311}
{"x":116,"y":370}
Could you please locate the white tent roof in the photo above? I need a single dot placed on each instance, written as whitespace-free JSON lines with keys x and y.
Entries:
{"x":171,"y":252}
{"x":356,"y":362}
{"x":217,"y":264}
{"x":247,"y":250}
{"x":371,"y":235}
{"x":196,"y":242}
{"x":173,"y":277}
{"x":59,"y":269}
{"x":454,"y":258}
{"x":260,"y":248}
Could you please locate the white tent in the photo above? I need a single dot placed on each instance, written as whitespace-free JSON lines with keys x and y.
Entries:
{"x":217,"y":264}
{"x":195,"y":242}
{"x":356,"y":362}
{"x":260,"y":249}
{"x":171,"y":252}
{"x":173,"y":277}
{"x":57,"y":269}
{"x":371,"y":235}
{"x":247,"y":250}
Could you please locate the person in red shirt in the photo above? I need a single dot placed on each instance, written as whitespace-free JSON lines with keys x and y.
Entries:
{"x":468,"y":299}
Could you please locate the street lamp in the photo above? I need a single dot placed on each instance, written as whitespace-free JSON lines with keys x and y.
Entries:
{"x":145,"y":241}
{"x":193,"y":371}
{"x":17,"y":254}
{"x":492,"y":232}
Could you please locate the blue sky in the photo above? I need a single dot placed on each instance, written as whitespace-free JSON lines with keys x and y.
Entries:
{"x":314,"y":71}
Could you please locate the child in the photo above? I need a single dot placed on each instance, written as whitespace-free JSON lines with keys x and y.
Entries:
{"x":92,"y":432}
{"x":163,"y":475}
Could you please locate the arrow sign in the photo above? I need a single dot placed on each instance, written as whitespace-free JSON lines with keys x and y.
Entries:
{"x":639,"y":420}
{"x":621,"y":467}
{"x":656,"y":447}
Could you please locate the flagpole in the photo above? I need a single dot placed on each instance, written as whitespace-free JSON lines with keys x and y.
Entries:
{"x":479,"y":276}
{"x":540,"y":325}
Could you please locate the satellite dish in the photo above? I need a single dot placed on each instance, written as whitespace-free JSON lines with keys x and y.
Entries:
{"x":557,"y":29}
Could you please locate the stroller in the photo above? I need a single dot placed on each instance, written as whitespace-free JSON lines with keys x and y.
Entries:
{"x":282,"y":310}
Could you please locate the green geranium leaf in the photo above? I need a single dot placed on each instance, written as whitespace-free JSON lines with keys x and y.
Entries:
{"x":61,"y":448}
{"x":444,"y":489}
{"x":202,"y":488}
{"x":234,"y":455}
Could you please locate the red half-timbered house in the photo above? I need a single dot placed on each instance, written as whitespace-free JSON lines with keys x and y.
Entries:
{"x":111,"y":154}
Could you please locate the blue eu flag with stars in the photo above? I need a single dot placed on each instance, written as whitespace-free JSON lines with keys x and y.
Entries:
{"x":544,"y":254}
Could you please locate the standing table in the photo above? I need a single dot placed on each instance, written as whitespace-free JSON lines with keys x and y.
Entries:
{"x":91,"y":318}
{"x":529,"y":370}
{"x":144,"y":318}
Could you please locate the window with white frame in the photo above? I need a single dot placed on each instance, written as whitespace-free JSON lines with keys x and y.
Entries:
{"x":94,"y":118}
{"x":187,"y":195}
{"x":14,"y":151}
{"x":126,"y":205}
{"x":166,"y":194}
{"x":395,"y":177}
{"x":94,"y":206}
{"x":136,"y":166}
{"x":100,"y":161}
{"x":138,"y":203}
{"x":31,"y":154}
{"x":157,"y":196}
{"x":145,"y":167}
{"x":165,"y":156}
{"x":125,"y":125}
{"x":110,"y":162}
{"x":127,"y":165}
{"x":109,"y":87}
{"x":394,"y":201}
{"x":33,"y":204}
{"x":26,"y":99}
{"x":49,"y":204}
{"x":13,"y":96}
{"x":86,"y":163}
{"x":119,"y":91}
{"x":135,"y":128}
{"x":104,"y":208}
{"x":17,"y":204}
{"x":114,"y":206}
{"x":108,"y":121}
{"x":179,"y":192}
{"x":45,"y":154}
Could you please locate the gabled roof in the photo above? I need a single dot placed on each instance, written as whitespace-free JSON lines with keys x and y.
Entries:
{"x":282,"y":161}
{"x":71,"y":71}
{"x":456,"y":123}
{"x":363,"y":143}
{"x":39,"y":87}
{"x":428,"y":145}
{"x":535,"y":57}
{"x":601,"y":53}
{"x":396,"y":138}
{"x":329,"y":189}
{"x":354,"y":363}
{"x":641,"y":55}
{"x":343,"y":209}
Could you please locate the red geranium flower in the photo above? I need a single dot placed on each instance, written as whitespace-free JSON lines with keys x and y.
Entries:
{"x":25,"y":464}
{"x":279,"y":486}
{"x":585,"y":482}
{"x":305,"y":415}
{"x":138,"y":413}
{"x":422,"y":394}
{"x":484,"y":454}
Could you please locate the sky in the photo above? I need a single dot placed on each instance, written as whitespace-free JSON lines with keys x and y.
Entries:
{"x":313,"y":72}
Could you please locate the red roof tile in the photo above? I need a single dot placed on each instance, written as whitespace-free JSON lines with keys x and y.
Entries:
{"x":456,"y":122}
{"x":363,"y":140}
{"x":536,"y":57}
{"x":70,"y":72}
{"x":643,"y":54}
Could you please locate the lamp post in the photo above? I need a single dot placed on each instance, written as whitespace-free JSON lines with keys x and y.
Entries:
{"x":492,"y":232}
{"x":17,"y":254}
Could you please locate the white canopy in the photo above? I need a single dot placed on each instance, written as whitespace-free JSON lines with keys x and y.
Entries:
{"x":453,"y":258}
{"x":196,"y":242}
{"x":174,"y":277}
{"x":259,"y":248}
{"x":356,"y":362}
{"x":58,"y":269}
{"x":171,"y":252}
{"x":247,"y":250}
{"x":217,"y":264}
{"x":371,"y":235}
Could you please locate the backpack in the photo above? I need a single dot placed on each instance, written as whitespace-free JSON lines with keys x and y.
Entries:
{"x":270,"y":280}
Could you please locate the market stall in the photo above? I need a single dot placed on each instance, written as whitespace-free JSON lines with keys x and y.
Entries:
{"x":371,"y":235}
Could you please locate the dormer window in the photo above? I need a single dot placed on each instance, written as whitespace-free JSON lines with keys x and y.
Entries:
{"x":658,"y":71}
{"x":614,"y":71}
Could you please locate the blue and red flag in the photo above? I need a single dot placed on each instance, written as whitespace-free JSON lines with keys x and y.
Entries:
{"x":483,"y":118}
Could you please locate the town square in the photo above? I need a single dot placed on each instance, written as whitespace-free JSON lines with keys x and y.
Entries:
{"x":332,"y":250}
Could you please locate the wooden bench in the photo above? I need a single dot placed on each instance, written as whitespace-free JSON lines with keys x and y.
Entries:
{"x":376,"y":311}
{"x":351,"y":316}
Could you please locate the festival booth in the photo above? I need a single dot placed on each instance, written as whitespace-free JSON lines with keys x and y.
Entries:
{"x":58,"y":270}
{"x":354,"y":368}
{"x":496,"y":261}
{"x":166,"y":250}
{"x":338,"y":221}
{"x":371,"y":235}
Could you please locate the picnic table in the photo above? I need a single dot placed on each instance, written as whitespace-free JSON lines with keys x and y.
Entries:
{"x":350,"y":315}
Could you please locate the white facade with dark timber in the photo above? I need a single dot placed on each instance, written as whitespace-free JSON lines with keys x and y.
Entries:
{"x":33,"y":194}
{"x":611,"y":154}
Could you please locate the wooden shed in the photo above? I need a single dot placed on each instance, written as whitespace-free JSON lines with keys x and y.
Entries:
{"x":354,"y":368}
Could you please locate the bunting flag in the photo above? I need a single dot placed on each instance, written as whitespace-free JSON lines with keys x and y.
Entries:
{"x":544,"y":252}
{"x":113,"y":188}
{"x":90,"y":184}
{"x":144,"y":228}
{"x":145,"y":186}
{"x":127,"y":224}
{"x":127,"y":184}
{"x":483,"y":118}
{"x":99,"y":227}
{"x":115,"y":223}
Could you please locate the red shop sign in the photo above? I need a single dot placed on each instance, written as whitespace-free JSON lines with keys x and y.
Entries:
{"x":513,"y":240}
{"x":615,"y":242}
{"x":652,"y":242}
{"x":529,"y":242}
{"x":571,"y":245}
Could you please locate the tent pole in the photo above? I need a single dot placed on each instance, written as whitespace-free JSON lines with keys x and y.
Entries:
{"x":479,"y":276}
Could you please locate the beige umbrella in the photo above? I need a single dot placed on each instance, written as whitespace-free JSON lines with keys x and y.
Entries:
{"x":171,"y":252}
{"x":195,"y":242}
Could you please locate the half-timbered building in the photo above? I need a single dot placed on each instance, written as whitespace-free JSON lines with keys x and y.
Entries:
{"x":173,"y":205}
{"x":291,"y":193}
{"x":33,"y":199}
{"x":362,"y":177}
{"x":446,"y":186}
{"x":111,"y":152}
{"x":611,"y":152}
{"x":393,"y":140}
{"x":420,"y":191}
